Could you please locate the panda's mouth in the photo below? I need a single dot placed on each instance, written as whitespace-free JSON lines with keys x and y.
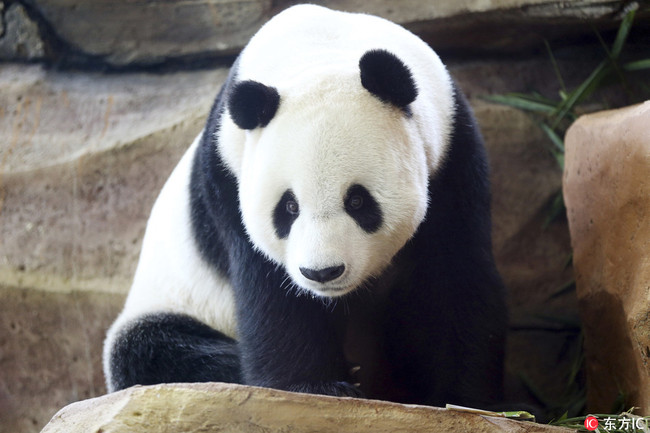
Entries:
{"x":332,"y":289}
{"x":329,"y":291}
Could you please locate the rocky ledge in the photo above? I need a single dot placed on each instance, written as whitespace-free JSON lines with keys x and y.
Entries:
{"x":216,"y":407}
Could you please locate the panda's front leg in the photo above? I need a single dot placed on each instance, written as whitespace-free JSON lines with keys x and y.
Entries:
{"x":288,"y":340}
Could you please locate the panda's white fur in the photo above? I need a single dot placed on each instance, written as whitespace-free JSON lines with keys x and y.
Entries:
{"x":171,"y":276}
{"x":323,"y":47}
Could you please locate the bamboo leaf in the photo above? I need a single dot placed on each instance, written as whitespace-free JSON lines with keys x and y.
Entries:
{"x":555,"y":138}
{"x":559,"y":158}
{"x":637,"y":65}
{"x":576,"y":366}
{"x":556,"y":68}
{"x":622,"y":34}
{"x":569,"y":287}
{"x":523,"y":102}
{"x":583,"y":91}
{"x":569,"y":260}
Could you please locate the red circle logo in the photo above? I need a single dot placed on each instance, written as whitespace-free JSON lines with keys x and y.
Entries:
{"x":591,"y":423}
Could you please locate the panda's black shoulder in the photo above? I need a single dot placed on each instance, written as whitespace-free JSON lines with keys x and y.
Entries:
{"x":460,"y":188}
{"x":467,"y":158}
{"x":214,"y":202}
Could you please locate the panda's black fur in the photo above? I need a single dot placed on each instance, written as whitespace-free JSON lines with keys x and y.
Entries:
{"x":436,"y":337}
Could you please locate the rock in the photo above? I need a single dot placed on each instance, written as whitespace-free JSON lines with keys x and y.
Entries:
{"x":216,"y":407}
{"x":144,"y":32}
{"x":148,"y":32}
{"x":607,"y":192}
{"x":84,"y":156}
{"x":20,"y":38}
{"x":50,"y":352}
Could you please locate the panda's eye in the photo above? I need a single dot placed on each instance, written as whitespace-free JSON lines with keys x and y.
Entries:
{"x":355,"y":202}
{"x":286,"y":211}
{"x":363,"y":208}
{"x":292,"y":207}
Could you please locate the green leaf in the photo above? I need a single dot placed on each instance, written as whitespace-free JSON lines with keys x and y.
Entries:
{"x":559,"y":157}
{"x":569,"y":260}
{"x":523,"y":102}
{"x":637,"y":65}
{"x":562,"y":418}
{"x":557,"y":208}
{"x":622,"y":34}
{"x":520,"y":415}
{"x":583,"y":91}
{"x":555,"y":138}
{"x":576,"y":367}
{"x":564,"y":322}
{"x":556,"y":68}
{"x":564,"y":289}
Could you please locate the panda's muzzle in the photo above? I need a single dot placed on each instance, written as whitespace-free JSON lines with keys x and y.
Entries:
{"x":324,"y":275}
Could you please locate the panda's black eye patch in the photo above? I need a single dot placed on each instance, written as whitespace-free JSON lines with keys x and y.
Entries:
{"x":363,"y":208}
{"x":285,"y":213}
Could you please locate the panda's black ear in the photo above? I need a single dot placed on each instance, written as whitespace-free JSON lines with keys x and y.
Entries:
{"x":252,"y":104}
{"x":387,"y":77}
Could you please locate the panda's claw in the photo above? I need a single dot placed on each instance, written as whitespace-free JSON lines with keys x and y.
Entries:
{"x":354,"y":370}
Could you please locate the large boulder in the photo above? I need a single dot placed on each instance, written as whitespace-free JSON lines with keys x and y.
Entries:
{"x":607,"y":192}
{"x":216,"y":407}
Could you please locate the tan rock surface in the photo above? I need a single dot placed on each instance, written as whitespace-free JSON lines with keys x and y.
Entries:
{"x":50,"y":352}
{"x":219,"y":407}
{"x":83,"y":157}
{"x":607,"y":191}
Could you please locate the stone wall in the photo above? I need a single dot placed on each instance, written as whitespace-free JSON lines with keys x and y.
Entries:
{"x":98,"y":100}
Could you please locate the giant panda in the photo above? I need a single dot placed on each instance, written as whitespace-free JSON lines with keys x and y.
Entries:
{"x":328,"y":231}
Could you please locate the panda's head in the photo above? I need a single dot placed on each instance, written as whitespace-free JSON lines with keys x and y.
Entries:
{"x":333,"y":173}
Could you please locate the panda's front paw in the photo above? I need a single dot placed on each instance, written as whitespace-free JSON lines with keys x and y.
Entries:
{"x":336,"y":389}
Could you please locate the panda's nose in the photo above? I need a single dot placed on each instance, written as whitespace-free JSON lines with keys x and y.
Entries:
{"x":323,"y":275}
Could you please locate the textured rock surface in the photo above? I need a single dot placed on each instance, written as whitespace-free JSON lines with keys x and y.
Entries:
{"x":149,"y":32}
{"x":50,"y":352}
{"x":607,"y":191}
{"x":19,"y":35}
{"x":221,"y":407}
{"x":82,"y":158}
